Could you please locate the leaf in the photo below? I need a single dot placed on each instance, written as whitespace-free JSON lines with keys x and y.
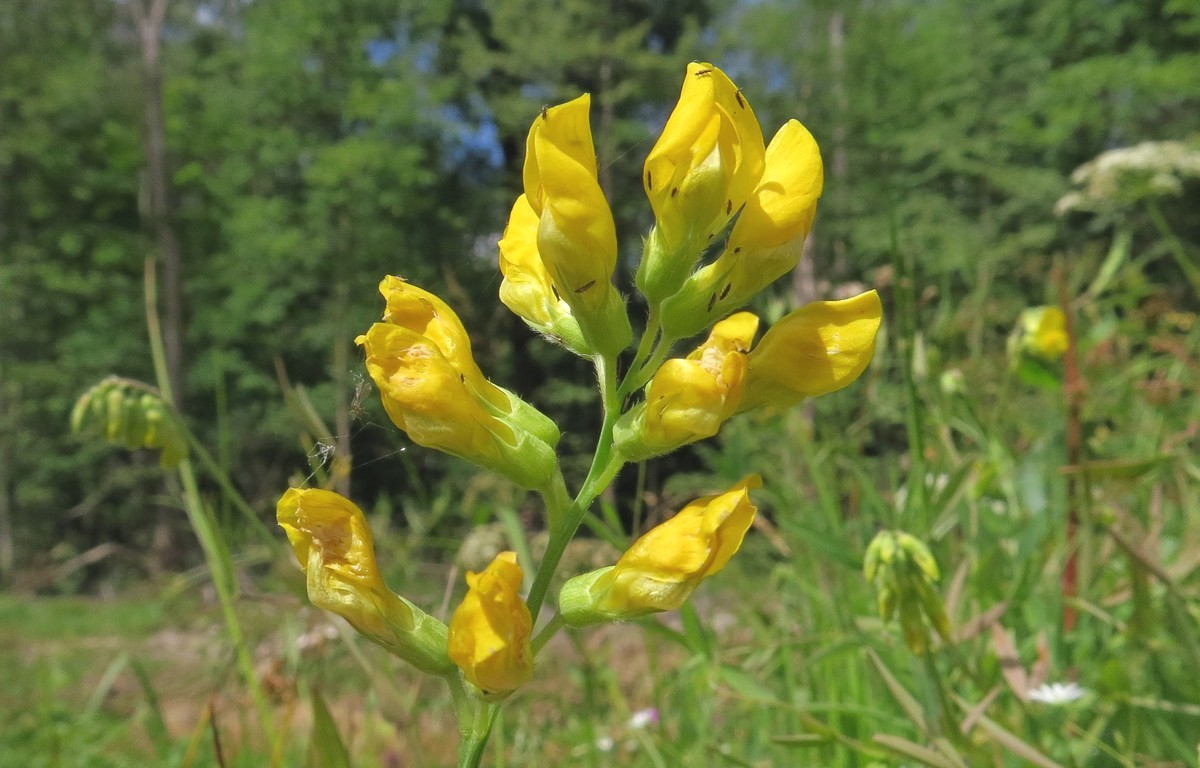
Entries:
{"x":801,"y":740}
{"x":1116,"y":469}
{"x":156,"y":726}
{"x":1015,"y":745}
{"x":1037,"y":373}
{"x":746,"y":685}
{"x":326,"y":749}
{"x":977,"y":711}
{"x":914,"y":751}
{"x":906,"y":700}
{"x":1118,"y":254}
{"x":975,"y":626}
{"x":1010,"y":662}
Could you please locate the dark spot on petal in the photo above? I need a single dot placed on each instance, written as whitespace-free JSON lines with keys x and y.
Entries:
{"x":738,"y":249}
{"x":585,"y":286}
{"x":556,"y":296}
{"x":738,"y":95}
{"x":462,"y":378}
{"x":702,"y":72}
{"x":712,"y":300}
{"x":725,"y":290}
{"x":649,"y":183}
{"x":674,"y":191}
{"x":728,"y":207}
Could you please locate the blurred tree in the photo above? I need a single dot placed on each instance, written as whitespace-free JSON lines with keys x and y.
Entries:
{"x":961,"y":123}
{"x":70,"y":274}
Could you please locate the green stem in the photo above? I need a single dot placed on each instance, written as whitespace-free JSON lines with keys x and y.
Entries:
{"x":217,"y":558}
{"x":605,"y":464}
{"x":1190,"y":270}
{"x":222,"y":479}
{"x":547,"y":632}
{"x":475,"y":720}
{"x":637,"y":376}
{"x":649,"y":336}
{"x":906,"y":319}
{"x":216,"y":555}
{"x":557,"y":500}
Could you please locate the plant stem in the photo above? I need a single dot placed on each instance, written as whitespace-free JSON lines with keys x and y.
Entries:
{"x":1189,"y":268}
{"x":1073,"y":389}
{"x":605,"y":465}
{"x":637,"y":376}
{"x":475,"y":719}
{"x":547,"y":632}
{"x":649,"y":336}
{"x":216,"y":555}
{"x":918,"y":493}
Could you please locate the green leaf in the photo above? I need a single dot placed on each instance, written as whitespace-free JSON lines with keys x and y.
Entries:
{"x":326,"y":749}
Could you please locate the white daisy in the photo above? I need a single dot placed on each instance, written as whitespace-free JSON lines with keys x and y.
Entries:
{"x":1057,"y":693}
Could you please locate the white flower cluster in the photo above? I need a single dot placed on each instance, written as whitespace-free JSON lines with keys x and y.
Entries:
{"x":1126,"y":175}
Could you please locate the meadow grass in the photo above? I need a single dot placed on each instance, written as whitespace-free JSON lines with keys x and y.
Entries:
{"x":781,"y":660}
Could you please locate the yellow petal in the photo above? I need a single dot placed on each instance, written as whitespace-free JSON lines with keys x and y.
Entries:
{"x":418,"y":310}
{"x":690,"y":398}
{"x":576,"y":237}
{"x":784,"y":202}
{"x":733,"y":334}
{"x":333,"y":543}
{"x":816,"y":349}
{"x":429,"y":398}
{"x":490,"y":631}
{"x":1049,"y":338}
{"x":706,"y":161}
{"x":527,"y":289}
{"x":662,"y":568}
{"x":560,"y":175}
{"x":559,"y":135}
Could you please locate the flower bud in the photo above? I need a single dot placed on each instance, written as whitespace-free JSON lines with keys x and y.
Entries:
{"x":490,"y":631}
{"x":663,"y":567}
{"x":903,"y":572}
{"x":766,"y":242}
{"x":333,"y":543}
{"x":697,"y":176}
{"x":527,"y":288}
{"x":576,"y":237}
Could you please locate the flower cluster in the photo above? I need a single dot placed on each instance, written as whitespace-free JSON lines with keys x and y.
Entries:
{"x":903,"y":571}
{"x":711,"y":179}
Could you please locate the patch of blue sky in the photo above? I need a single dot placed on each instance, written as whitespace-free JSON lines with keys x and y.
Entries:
{"x":472,"y":143}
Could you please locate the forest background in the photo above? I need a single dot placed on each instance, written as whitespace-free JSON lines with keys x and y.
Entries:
{"x":278,"y":157}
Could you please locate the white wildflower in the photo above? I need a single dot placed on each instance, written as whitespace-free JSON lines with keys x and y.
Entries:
{"x":1057,"y":693}
{"x":643,"y":718}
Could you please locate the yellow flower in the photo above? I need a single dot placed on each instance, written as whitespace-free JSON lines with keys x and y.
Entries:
{"x":333,"y":543}
{"x":1044,"y":331}
{"x":420,"y":358}
{"x":576,"y":237}
{"x":767,"y":240}
{"x":690,"y":398}
{"x":699,"y":173}
{"x":527,"y":288}
{"x":816,"y":349}
{"x":490,"y":630}
{"x":662,"y":568}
